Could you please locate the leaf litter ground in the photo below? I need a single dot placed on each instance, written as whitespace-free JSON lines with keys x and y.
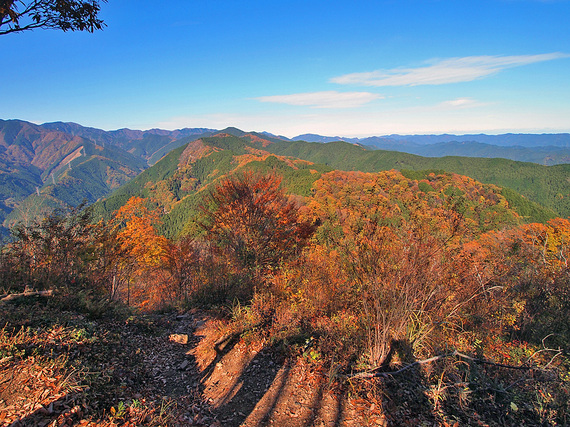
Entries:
{"x":60,"y":368}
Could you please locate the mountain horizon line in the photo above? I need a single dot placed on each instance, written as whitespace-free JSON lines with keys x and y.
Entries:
{"x":421,"y":138}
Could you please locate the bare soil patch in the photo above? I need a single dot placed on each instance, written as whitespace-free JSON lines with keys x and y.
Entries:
{"x":64,"y":369}
{"x":249,"y":385}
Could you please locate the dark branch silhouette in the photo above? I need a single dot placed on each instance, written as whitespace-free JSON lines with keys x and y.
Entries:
{"x":65,"y":15}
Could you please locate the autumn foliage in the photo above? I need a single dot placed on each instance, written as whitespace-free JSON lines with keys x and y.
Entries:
{"x":251,"y":221}
{"x":367,"y":266}
{"x":137,"y":234}
{"x":396,"y":255}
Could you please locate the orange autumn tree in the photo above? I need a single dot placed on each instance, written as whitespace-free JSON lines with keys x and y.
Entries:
{"x":252,"y":225}
{"x":528,"y":253}
{"x":144,"y":251}
{"x":525,"y":272}
{"x":544,"y":291}
{"x":551,"y":242}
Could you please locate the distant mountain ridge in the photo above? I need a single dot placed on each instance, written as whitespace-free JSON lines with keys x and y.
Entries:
{"x":502,"y":140}
{"x":54,"y":165}
{"x":60,"y":164}
{"x":507,"y":139}
{"x":544,"y":149}
{"x":144,"y":144}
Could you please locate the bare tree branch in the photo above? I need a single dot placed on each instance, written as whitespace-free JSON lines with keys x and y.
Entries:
{"x":376,"y":373}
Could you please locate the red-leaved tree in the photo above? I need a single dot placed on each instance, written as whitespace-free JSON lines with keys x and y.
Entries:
{"x":252,"y":223}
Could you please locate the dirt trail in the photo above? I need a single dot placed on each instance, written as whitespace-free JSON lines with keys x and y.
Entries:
{"x":170,"y":362}
{"x":246,"y":385}
{"x":241,"y":384}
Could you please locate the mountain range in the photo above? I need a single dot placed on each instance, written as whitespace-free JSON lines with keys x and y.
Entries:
{"x":59,"y":164}
{"x":546,"y":149}
{"x":54,"y":165}
{"x":177,"y":181}
{"x":501,"y":140}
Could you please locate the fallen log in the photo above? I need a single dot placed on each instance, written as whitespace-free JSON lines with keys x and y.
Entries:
{"x":11,"y":297}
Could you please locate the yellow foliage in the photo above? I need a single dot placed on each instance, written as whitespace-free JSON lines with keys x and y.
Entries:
{"x":138,"y":236}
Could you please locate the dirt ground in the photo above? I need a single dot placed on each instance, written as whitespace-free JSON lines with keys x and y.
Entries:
{"x":62,"y":368}
{"x":176,"y":368}
{"x":249,"y":386}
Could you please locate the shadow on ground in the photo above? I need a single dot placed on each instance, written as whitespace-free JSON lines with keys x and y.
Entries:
{"x":250,"y":388}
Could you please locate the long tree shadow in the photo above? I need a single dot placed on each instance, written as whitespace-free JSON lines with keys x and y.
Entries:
{"x":237,"y":400}
{"x":274,"y":390}
{"x":221,"y":347}
{"x":404,"y":398}
{"x":453,"y":391}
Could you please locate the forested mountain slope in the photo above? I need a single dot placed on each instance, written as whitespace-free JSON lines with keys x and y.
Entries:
{"x":546,"y":185}
{"x":42,"y":169}
{"x":177,"y":181}
{"x":55,"y":165}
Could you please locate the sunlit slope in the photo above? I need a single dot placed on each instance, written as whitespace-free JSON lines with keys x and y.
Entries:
{"x":547,"y":185}
{"x":177,"y":181}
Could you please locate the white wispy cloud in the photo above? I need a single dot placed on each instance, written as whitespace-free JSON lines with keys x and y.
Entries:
{"x":462,"y":103}
{"x":451,"y":70}
{"x":326,"y":99}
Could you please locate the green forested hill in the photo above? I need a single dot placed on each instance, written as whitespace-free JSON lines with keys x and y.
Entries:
{"x":177,"y":180}
{"x":546,"y":185}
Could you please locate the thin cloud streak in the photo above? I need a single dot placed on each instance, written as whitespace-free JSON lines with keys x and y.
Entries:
{"x":452,"y":70}
{"x":326,"y":99}
{"x":462,"y":103}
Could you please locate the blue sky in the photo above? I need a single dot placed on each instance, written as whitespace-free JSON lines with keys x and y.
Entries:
{"x":336,"y":68}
